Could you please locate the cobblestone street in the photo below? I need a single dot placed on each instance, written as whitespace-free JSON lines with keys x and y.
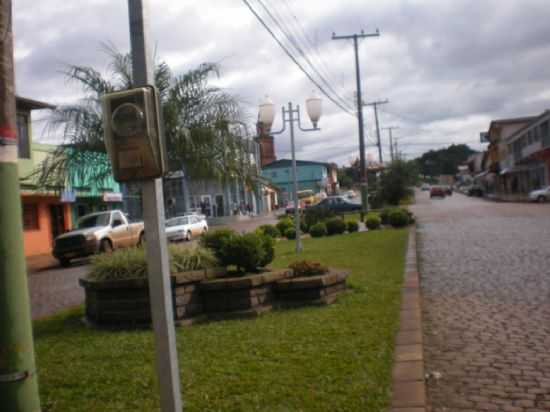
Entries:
{"x":485,"y":278}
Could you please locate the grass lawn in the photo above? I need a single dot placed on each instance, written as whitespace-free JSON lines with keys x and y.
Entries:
{"x":335,"y":358}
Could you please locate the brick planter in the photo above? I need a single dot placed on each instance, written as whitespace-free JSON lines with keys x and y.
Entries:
{"x":125,"y":303}
{"x":240,"y":296}
{"x":311,"y":290}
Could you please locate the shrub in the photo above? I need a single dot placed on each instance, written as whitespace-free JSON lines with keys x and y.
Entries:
{"x":317,"y":214}
{"x":284,"y":224}
{"x":269,"y":230}
{"x":268,"y":246}
{"x":290,"y":233}
{"x":307,"y":268}
{"x":412,"y":219}
{"x":399,"y":218}
{"x":352,"y":226}
{"x":335,"y":226}
{"x":248,"y":252}
{"x":385,"y":215}
{"x":216,"y":240}
{"x":373,"y":222}
{"x":318,"y":230}
{"x":303,"y":226}
{"x":186,"y":259}
{"x":131,"y":263}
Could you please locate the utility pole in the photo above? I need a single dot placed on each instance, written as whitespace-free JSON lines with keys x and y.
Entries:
{"x":362,"y":158}
{"x":18,"y":379}
{"x":158,"y":267}
{"x":375,"y":106}
{"x":390,"y":129}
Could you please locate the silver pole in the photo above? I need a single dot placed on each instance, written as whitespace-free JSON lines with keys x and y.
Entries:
{"x":295,"y":180}
{"x":158,"y":266}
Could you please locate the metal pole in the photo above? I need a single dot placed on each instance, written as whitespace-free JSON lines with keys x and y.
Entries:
{"x":18,"y":379}
{"x":378,"y":133}
{"x":158,"y":267}
{"x":294,"y":180}
{"x":391,"y":144}
{"x":362,"y":160}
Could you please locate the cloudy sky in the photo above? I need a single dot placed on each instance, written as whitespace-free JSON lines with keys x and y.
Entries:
{"x":447,"y":67}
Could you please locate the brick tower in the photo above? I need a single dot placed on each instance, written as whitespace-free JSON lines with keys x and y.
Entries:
{"x":267,"y":146}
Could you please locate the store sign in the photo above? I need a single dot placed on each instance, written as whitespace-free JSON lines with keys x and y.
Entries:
{"x":68,"y":196}
{"x":112,"y":197}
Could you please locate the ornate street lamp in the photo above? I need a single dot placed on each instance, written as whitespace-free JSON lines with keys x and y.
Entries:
{"x":291,"y":115}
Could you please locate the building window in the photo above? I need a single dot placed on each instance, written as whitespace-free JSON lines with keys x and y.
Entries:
{"x":273,"y":174}
{"x":23,"y":138}
{"x":30,"y":216}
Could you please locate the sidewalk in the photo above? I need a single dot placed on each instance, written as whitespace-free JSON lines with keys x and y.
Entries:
{"x":39,"y":263}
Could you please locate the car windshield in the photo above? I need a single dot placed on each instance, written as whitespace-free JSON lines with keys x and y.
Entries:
{"x":177,"y":221}
{"x":101,"y":219}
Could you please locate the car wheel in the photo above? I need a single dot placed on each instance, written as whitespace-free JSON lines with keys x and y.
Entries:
{"x":64,"y":262}
{"x":188,"y":236}
{"x":105,"y":246}
{"x":141,"y":240}
{"x":541,"y":199}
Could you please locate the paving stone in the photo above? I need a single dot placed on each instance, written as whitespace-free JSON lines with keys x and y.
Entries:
{"x":409,"y":394}
{"x":404,"y":353}
{"x":485,"y":306}
{"x":408,"y":371}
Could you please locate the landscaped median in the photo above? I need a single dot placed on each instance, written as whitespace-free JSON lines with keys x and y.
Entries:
{"x":329,"y":358}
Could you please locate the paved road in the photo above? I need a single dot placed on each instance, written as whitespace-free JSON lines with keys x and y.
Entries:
{"x":57,"y":288}
{"x":485,"y":271}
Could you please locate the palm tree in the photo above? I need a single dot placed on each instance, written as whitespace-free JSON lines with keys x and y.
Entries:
{"x":197,"y":124}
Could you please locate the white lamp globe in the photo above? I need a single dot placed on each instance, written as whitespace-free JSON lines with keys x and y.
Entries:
{"x":314,"y":107}
{"x":266,"y":113}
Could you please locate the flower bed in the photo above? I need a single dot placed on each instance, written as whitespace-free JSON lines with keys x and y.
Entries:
{"x":125,"y":303}
{"x":311,"y":290}
{"x":243,"y":296}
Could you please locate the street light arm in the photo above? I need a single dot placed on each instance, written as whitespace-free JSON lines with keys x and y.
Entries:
{"x":284,"y":125}
{"x":314,"y":129}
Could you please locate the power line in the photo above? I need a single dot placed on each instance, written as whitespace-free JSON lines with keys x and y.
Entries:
{"x":289,"y":54}
{"x":289,"y":34}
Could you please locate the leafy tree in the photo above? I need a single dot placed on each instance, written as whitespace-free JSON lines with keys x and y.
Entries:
{"x":444,"y":161}
{"x":396,"y":181}
{"x":198,"y":121}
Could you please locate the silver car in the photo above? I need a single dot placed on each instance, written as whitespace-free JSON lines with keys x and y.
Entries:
{"x":541,"y":195}
{"x":185,"y":227}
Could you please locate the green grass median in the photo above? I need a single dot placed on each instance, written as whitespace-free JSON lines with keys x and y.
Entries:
{"x":333,"y":358}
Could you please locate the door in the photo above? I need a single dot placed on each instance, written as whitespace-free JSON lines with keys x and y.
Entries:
{"x":57,"y":220}
{"x":206,"y":205}
{"x":219,"y":205}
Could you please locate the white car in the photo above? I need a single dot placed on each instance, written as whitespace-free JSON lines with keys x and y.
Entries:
{"x":185,"y":227}
{"x":541,"y":195}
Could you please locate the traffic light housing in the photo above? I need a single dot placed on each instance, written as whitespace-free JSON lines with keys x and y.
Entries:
{"x":133,"y":136}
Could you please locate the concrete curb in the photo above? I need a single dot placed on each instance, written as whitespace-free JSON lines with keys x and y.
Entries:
{"x":408,"y":385}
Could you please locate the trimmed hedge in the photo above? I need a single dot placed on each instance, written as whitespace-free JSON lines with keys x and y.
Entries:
{"x":352,"y":226}
{"x":399,"y":218}
{"x":373,"y":222}
{"x":284,"y":224}
{"x":335,"y":226}
{"x":269,"y":230}
{"x":385,"y":215}
{"x":290,"y":234}
{"x":318,"y":230}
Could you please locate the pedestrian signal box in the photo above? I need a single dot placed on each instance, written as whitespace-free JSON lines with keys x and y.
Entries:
{"x":133,"y":135}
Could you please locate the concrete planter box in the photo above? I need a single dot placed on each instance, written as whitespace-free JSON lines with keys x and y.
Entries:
{"x":244,"y":296}
{"x":311,"y":290}
{"x":125,"y":303}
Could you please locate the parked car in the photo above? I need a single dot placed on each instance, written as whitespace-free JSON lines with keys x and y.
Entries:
{"x":475,"y":191}
{"x":437,"y":191}
{"x":338,"y":204}
{"x":425,"y":187}
{"x":185,"y":227}
{"x":541,"y":195}
{"x":289,"y":209}
{"x":98,"y":232}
